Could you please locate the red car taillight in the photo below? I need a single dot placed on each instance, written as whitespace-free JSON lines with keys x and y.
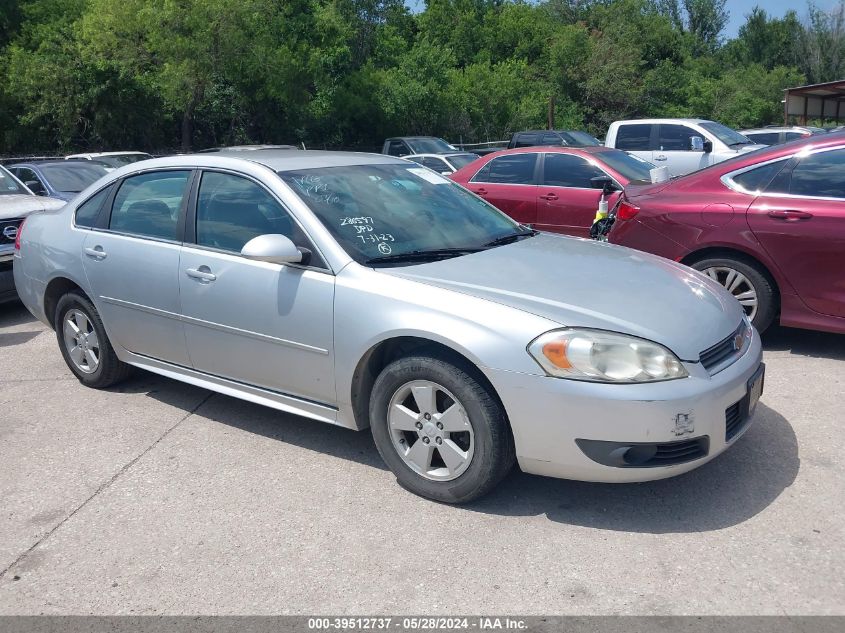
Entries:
{"x":626,"y":211}
{"x":18,"y":236}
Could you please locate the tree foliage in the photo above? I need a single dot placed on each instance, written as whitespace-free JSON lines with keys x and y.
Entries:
{"x":157,"y":74}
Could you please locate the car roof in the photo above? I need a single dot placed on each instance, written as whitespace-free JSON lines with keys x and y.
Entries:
{"x":409,"y":138}
{"x":45,"y":163}
{"x":652,"y":121}
{"x":127,"y":153}
{"x":561,"y":131}
{"x":438,"y":155}
{"x":551,"y":149}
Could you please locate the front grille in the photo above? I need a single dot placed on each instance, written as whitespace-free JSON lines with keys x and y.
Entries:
{"x":724,"y":352}
{"x":734,"y":420}
{"x":8,"y":230}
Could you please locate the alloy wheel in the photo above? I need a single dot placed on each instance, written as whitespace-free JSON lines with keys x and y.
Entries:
{"x":738,"y":285}
{"x":430,"y":430}
{"x":81,"y":342}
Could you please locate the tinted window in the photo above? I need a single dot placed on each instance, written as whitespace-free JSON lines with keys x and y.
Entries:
{"x":821,"y":174}
{"x":759,"y":178}
{"x":766,"y":138}
{"x":397,"y":148}
{"x":675,"y":138}
{"x":462,"y":160}
{"x":430,"y":146}
{"x":86,"y":214}
{"x":9,"y":186}
{"x":550,"y":138}
{"x":73,"y":177}
{"x":436,"y":164}
{"x":628,"y":165}
{"x":232,"y":210}
{"x":635,"y":136}
{"x":580,"y":139}
{"x":565,"y":170}
{"x":511,"y":169}
{"x":149,"y":204}
{"x":26,"y":175}
{"x":377,"y":210}
{"x":525,"y":140}
{"x":790,"y":136}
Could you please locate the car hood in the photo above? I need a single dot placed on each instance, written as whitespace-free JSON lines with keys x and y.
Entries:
{"x":21,"y":205}
{"x":583,"y":283}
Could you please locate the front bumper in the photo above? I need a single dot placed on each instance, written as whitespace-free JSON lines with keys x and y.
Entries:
{"x":551,"y":416}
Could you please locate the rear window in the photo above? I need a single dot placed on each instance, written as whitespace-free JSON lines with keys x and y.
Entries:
{"x":525,"y":140}
{"x":73,"y":177}
{"x":634,"y":136}
{"x":631,"y":167}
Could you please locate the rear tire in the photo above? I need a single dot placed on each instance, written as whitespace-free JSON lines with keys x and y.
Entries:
{"x":84,"y":344}
{"x":745,"y":277}
{"x":463,"y":447}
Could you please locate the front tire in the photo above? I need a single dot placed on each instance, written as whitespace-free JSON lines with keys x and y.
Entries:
{"x":747,"y":283}
{"x":84,"y":344}
{"x":440,"y":429}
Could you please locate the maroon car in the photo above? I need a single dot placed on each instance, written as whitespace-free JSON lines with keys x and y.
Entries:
{"x":769,"y":226}
{"x":552,"y":188}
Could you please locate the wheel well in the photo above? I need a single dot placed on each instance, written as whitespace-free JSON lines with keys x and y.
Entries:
{"x":57,"y":288}
{"x":707,"y":253}
{"x":381,"y":355}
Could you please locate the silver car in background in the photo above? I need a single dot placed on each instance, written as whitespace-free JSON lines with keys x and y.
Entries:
{"x":366,"y":291}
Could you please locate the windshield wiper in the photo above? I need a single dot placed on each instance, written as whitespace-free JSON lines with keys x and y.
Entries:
{"x":422,"y":255}
{"x":511,"y":237}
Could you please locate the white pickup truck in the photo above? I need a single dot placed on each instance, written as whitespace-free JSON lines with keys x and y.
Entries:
{"x":682,"y":145}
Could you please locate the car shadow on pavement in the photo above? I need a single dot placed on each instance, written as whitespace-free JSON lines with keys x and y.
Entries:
{"x":732,"y":488}
{"x":804,"y":342}
{"x":14,"y":313}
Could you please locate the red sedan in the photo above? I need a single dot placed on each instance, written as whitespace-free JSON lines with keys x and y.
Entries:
{"x":552,"y":188}
{"x":769,"y":226}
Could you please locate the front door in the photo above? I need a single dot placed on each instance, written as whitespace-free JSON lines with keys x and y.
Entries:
{"x":566,"y":201}
{"x":132,"y":264}
{"x":268,"y":325}
{"x":800,"y":221}
{"x":508,"y":182}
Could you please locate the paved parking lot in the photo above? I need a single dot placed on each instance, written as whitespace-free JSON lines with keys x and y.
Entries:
{"x":157,"y":497}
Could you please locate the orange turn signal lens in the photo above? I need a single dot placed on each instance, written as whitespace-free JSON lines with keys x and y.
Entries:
{"x":555,"y":351}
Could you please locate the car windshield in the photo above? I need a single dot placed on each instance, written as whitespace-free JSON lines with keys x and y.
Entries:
{"x":626,"y":164}
{"x":459,"y":161}
{"x":9,"y":186}
{"x":725,"y":134}
{"x":429,"y":146}
{"x":72,"y":177}
{"x":581,"y":139}
{"x":119,"y":160}
{"x":378,"y":211}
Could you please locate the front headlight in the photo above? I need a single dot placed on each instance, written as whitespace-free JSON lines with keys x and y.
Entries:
{"x":598,"y":356}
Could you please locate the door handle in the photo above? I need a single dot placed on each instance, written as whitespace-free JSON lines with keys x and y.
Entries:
{"x":661,"y":157}
{"x":790,"y":215}
{"x":97,"y":252}
{"x":203,"y":275}
{"x":481,"y":192}
{"x":549,"y":196}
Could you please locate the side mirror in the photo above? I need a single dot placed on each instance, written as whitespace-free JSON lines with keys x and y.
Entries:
{"x":272,"y":248}
{"x":605,"y":183}
{"x":696,"y":144}
{"x":708,"y":147}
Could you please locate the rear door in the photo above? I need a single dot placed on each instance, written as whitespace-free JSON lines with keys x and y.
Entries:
{"x":800,"y":221}
{"x":508,"y":182}
{"x":674,"y":149}
{"x":566,"y":201}
{"x":132,"y":262}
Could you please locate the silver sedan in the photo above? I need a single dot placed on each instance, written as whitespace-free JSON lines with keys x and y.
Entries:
{"x":368,"y":291}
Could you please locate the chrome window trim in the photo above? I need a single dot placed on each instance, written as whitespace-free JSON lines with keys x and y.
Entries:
{"x":727,"y":179}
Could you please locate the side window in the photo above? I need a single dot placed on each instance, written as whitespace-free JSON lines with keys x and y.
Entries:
{"x":232,"y":210}
{"x":566,"y":170}
{"x":88,"y":212}
{"x":758,"y":179}
{"x":25,"y":175}
{"x":764,"y":138}
{"x":397,"y":148}
{"x":676,"y":138}
{"x":791,"y":136}
{"x":434,"y":163}
{"x":149,"y":204}
{"x":525,"y":140}
{"x":550,"y":138}
{"x":821,"y":174}
{"x":511,"y":169}
{"x":634,"y":137}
